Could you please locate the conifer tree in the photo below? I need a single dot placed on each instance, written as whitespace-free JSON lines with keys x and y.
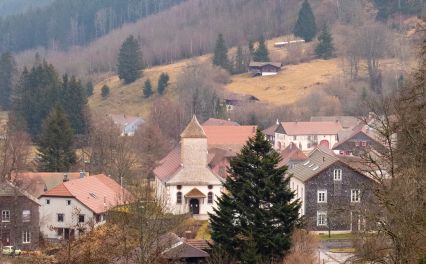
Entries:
{"x":257,"y":210}
{"x":129,"y":60}
{"x":89,"y":88}
{"x":105,"y":91}
{"x":239,"y":61}
{"x":305,"y":25}
{"x":73,"y":100}
{"x":325,"y":47}
{"x":7,"y":74}
{"x":220,"y":57}
{"x":261,"y":53}
{"x":55,"y":145}
{"x":147,"y":89}
{"x":163,"y":82}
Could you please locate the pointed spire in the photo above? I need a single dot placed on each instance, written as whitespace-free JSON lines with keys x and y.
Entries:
{"x":193,"y":130}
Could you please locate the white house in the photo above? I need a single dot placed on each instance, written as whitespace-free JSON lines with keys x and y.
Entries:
{"x":306,"y":135}
{"x":78,"y":205}
{"x":128,"y":124}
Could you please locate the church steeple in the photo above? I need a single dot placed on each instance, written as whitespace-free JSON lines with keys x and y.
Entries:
{"x":194,"y":145}
{"x":193,"y":129}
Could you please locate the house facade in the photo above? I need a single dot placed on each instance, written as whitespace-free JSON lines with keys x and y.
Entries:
{"x":264,"y":68}
{"x":128,"y":124}
{"x":19,"y":218}
{"x":190,"y":178}
{"x":333,"y":190}
{"x":73,"y":207}
{"x":306,"y":135}
{"x":358,"y":141}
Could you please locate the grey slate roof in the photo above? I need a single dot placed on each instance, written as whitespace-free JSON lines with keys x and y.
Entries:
{"x":261,"y":64}
{"x":8,"y":189}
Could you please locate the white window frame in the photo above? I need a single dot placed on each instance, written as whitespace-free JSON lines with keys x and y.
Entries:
{"x":321,"y":221}
{"x":355,"y":195}
{"x":210,"y":198}
{"x":324,"y":192}
{"x":26,"y":237}
{"x":26,"y":215}
{"x":5,"y":216}
{"x":337,"y":174}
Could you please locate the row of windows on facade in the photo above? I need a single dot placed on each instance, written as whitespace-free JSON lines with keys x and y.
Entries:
{"x":67,"y":202}
{"x":61,"y":218}
{"x":5,"y":215}
{"x":355,"y":196}
{"x":313,"y":137}
{"x":210,"y":197}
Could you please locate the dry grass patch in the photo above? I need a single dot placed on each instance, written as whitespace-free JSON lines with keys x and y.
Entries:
{"x":292,"y":83}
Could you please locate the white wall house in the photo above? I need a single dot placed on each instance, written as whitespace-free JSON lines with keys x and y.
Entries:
{"x":79,"y":205}
{"x":306,"y":135}
{"x":184,"y":181}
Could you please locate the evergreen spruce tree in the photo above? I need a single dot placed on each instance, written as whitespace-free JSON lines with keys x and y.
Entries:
{"x":325,"y":47}
{"x":55,"y":145}
{"x":105,"y":91}
{"x":163,"y":82}
{"x":305,"y":25}
{"x":220,"y":57}
{"x":7,"y":74}
{"x":89,"y":88}
{"x":261,"y":53}
{"x":257,"y":205}
{"x":239,"y":61}
{"x":147,"y":89}
{"x":129,"y":60}
{"x":73,"y":99}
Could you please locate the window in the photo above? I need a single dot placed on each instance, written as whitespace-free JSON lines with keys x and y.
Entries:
{"x":210,"y":187}
{"x":210,"y":197}
{"x":322,"y":196}
{"x":179,"y":187}
{"x":60,"y":217}
{"x":337,"y":174}
{"x":355,"y":195}
{"x":5,"y":216}
{"x":81,"y":218}
{"x":68,"y":202}
{"x":356,"y":143}
{"x":26,"y":237}
{"x":364,"y":143}
{"x":26,"y":215}
{"x":321,"y":218}
{"x":47,"y":201}
{"x":60,"y":232}
{"x":294,"y":137}
{"x":179,"y":197}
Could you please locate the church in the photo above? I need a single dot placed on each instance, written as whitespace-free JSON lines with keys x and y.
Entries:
{"x":190,"y":178}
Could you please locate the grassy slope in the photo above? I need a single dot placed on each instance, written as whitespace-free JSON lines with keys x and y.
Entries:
{"x":291,"y":84}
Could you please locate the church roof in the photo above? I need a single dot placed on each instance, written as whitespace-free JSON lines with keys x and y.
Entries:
{"x":195,"y":193}
{"x":193,"y":130}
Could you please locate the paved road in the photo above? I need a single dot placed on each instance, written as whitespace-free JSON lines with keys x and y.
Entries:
{"x":326,"y":257}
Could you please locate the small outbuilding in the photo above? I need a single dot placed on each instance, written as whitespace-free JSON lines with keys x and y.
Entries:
{"x":264,"y":68}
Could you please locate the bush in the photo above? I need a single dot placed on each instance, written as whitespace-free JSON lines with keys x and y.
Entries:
{"x":105,"y":91}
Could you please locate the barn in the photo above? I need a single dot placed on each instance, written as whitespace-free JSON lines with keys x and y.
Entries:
{"x":264,"y":68}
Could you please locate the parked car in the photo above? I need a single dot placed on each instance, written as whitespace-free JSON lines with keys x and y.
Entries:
{"x":10,"y":251}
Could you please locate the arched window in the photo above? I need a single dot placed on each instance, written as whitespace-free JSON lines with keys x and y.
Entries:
{"x":179,"y":197}
{"x":210,"y":197}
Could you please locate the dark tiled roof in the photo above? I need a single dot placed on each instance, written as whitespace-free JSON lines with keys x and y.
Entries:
{"x":261,"y":64}
{"x":184,"y":250}
{"x":291,"y":153}
{"x":270,"y":131}
{"x":8,"y":189}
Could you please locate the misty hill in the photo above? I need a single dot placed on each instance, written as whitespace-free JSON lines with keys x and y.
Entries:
{"x":13,"y":7}
{"x":66,"y":23}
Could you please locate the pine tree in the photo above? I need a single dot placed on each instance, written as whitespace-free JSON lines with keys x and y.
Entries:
{"x":325,"y":47}
{"x":73,"y":100}
{"x":129,"y":60}
{"x":257,"y":205}
{"x":305,"y":25}
{"x":261,"y":53}
{"x":239,"y":61}
{"x":89,"y":88}
{"x":147,"y":89}
{"x":220,"y":57}
{"x":7,"y":74}
{"x":163,"y":82}
{"x":105,"y":91}
{"x":55,"y":145}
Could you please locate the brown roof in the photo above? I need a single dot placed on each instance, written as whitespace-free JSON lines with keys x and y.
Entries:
{"x":8,"y":189}
{"x":347,"y":122}
{"x":200,"y":243}
{"x":240,"y":97}
{"x":183,"y":250}
{"x":195,"y":193}
{"x":97,"y":192}
{"x":365,"y":129}
{"x":270,"y":131}
{"x":291,"y":153}
{"x":311,"y":128}
{"x":193,"y":129}
{"x":169,"y":165}
{"x":123,"y":119}
{"x":261,"y":64}
{"x":219,"y":122}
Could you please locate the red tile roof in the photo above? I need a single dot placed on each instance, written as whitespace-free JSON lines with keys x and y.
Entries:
{"x":219,"y":122}
{"x":291,"y":152}
{"x":98,"y":192}
{"x":169,"y":165}
{"x":229,"y":135}
{"x":311,"y":128}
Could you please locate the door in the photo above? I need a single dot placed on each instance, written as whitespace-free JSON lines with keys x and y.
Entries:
{"x":5,"y":237}
{"x":325,"y":143}
{"x":194,"y":206}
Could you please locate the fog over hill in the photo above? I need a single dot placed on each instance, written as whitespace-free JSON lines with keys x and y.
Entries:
{"x":13,"y":7}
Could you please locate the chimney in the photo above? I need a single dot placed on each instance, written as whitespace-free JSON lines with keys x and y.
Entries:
{"x":65,"y":178}
{"x":82,"y":174}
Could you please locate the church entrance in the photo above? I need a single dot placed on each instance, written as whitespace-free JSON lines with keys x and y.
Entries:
{"x":194,"y":206}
